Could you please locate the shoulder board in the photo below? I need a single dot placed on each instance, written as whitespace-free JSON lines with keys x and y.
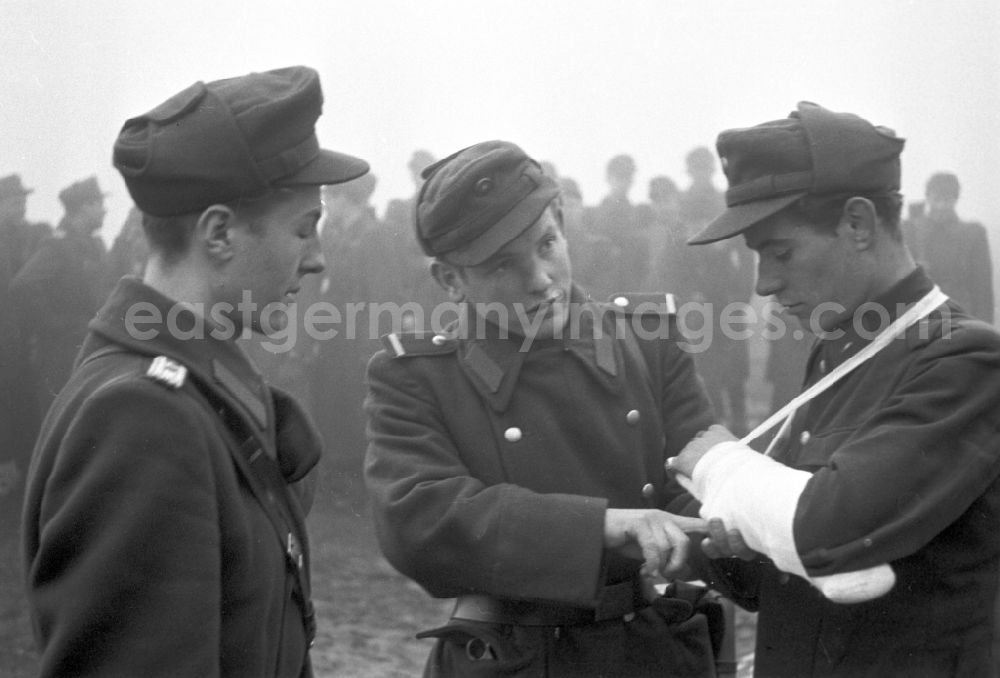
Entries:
{"x":167,"y":372}
{"x":418,"y":343}
{"x":644,"y":303}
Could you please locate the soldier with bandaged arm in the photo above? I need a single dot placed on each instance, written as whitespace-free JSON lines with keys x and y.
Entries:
{"x":867,"y":537}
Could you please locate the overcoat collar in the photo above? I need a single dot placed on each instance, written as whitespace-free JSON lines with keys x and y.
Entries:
{"x":146,"y":322}
{"x":493,"y":364}
{"x":859,"y":331}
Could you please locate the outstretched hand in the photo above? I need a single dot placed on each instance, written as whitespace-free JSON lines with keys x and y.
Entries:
{"x":656,"y":537}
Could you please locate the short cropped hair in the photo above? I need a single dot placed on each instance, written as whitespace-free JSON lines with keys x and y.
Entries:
{"x":170,"y":237}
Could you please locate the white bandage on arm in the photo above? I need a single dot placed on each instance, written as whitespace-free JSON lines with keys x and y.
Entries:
{"x":759,"y":496}
{"x":754,"y":494}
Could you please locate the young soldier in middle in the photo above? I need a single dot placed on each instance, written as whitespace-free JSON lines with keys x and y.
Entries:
{"x":516,"y":459}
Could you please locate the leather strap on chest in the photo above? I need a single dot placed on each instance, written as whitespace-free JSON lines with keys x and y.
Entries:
{"x":268,"y":486}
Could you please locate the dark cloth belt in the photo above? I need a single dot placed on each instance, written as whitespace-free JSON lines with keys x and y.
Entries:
{"x":615,"y":601}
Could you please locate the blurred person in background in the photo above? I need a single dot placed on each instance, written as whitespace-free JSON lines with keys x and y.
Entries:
{"x":406,"y":279}
{"x":669,"y":257}
{"x":955,"y":253}
{"x":354,"y":238}
{"x":60,"y":288}
{"x":614,"y":256}
{"x":719,"y":274}
{"x":19,"y":416}
{"x":129,"y":250}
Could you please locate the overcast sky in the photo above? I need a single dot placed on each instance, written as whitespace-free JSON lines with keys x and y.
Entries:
{"x":572,"y":81}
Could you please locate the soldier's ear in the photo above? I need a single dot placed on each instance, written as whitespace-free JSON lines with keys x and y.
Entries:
{"x":450,"y":278}
{"x":861,"y":220}
{"x":214,"y":231}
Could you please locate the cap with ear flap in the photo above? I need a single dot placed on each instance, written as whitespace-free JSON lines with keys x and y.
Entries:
{"x":477,"y":200}
{"x":814,"y":151}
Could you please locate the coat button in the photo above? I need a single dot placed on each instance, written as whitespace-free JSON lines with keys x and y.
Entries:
{"x":439,"y":339}
{"x":784,"y":577}
{"x":513,"y":434}
{"x":648,"y":490}
{"x":804,"y":437}
{"x":632,"y":417}
{"x":822,"y":365}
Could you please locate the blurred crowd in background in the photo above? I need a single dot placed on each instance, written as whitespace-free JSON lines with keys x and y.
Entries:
{"x":632,"y":239}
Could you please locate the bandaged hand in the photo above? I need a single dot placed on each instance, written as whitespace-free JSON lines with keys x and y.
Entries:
{"x":759,"y":496}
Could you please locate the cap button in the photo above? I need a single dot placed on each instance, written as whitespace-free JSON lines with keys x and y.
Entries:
{"x":632,"y":417}
{"x":484,"y":186}
{"x":512,"y":435}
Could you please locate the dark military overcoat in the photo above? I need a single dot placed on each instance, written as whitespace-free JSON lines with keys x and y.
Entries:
{"x":151,"y":544}
{"x":905,"y":452}
{"x":490,"y":467}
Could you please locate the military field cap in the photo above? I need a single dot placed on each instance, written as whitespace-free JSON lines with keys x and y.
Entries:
{"x":11,"y":186}
{"x":477,"y":200}
{"x":229,"y":139}
{"x":78,"y":194}
{"x":813,"y":151}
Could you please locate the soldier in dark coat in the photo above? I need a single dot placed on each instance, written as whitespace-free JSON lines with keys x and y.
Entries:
{"x":164,"y":528}
{"x":614,"y":252}
{"x":60,"y":288}
{"x":129,"y":250}
{"x":515,"y":458}
{"x":19,"y":237}
{"x":720,"y":274}
{"x":955,"y":253}
{"x":351,"y":237}
{"x":19,"y":415}
{"x":406,"y":279}
{"x":875,"y":515}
